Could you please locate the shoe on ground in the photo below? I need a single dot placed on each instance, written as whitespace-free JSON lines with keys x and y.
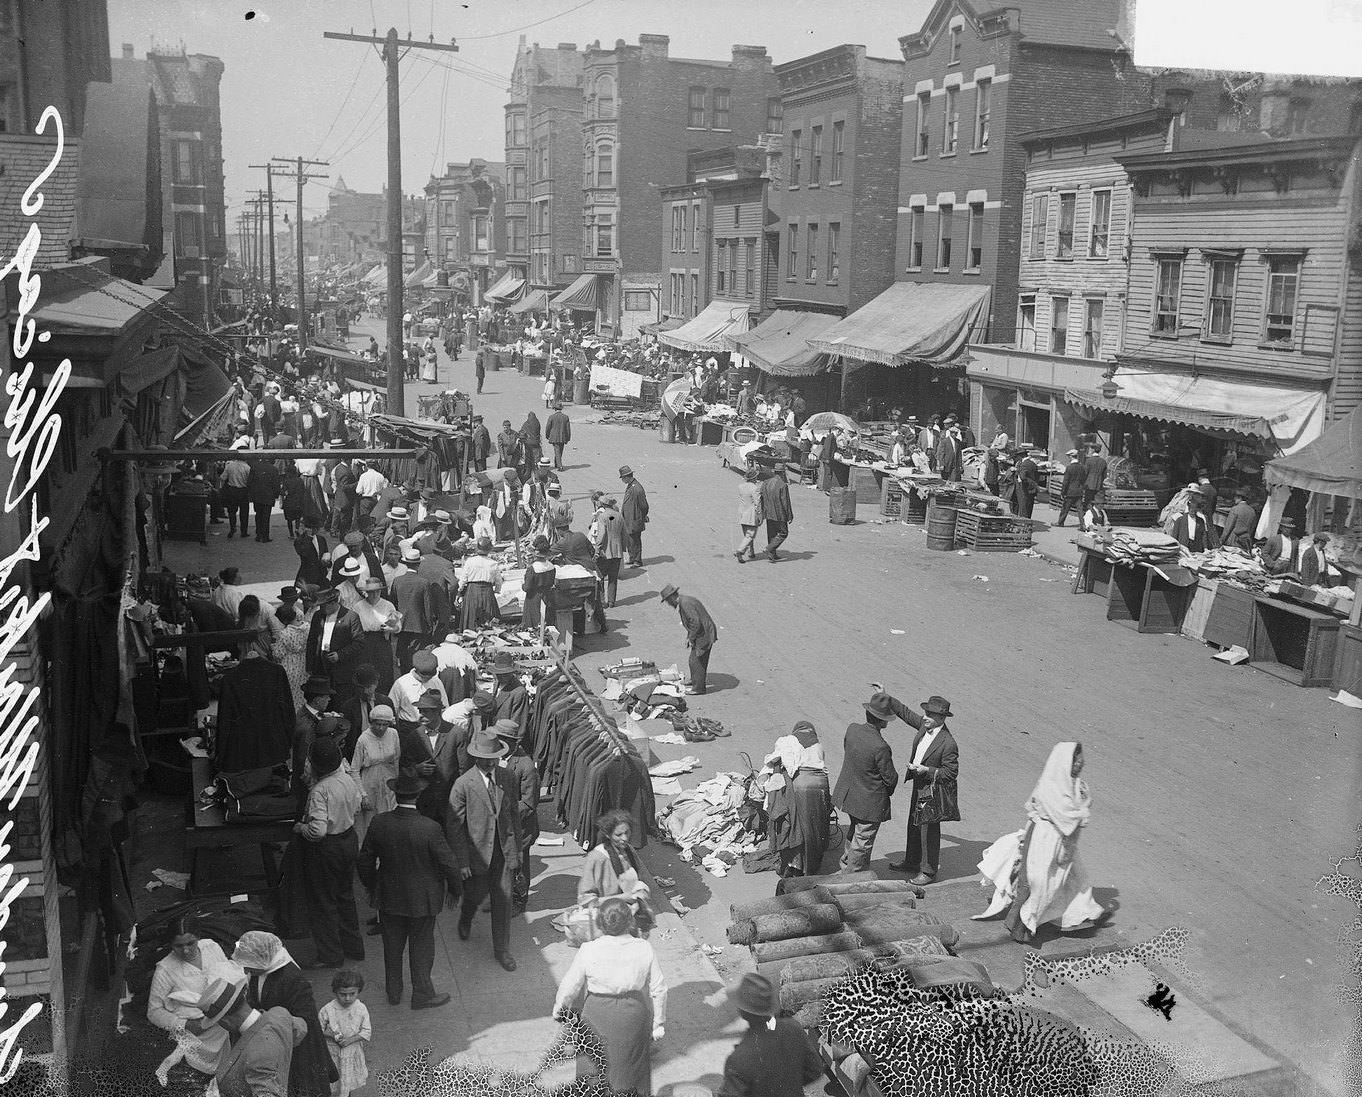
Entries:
{"x":740,"y":557}
{"x":507,"y":961}
{"x":465,"y":930}
{"x":921,"y":880}
{"x":431,"y":1003}
{"x":903,"y":866}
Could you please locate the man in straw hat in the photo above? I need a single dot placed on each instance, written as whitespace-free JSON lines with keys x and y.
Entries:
{"x":483,"y":827}
{"x":258,"y":1061}
{"x":774,"y":1058}
{"x":701,"y":635}
{"x":408,"y":866}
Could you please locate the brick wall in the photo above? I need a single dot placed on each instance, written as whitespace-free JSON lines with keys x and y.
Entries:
{"x":870,"y":263}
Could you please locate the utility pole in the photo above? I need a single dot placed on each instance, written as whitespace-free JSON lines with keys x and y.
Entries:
{"x":393,"y":51}
{"x":269,"y":194}
{"x":300,"y":176}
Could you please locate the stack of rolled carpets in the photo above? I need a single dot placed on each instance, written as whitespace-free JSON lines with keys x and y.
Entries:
{"x":807,"y":898}
{"x":766,"y":951}
{"x":783,"y":925}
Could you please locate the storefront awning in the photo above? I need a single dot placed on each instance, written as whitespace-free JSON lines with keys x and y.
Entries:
{"x":376,"y":277}
{"x":581,"y":296}
{"x":535,"y":301}
{"x":779,"y":345}
{"x":1331,"y":464}
{"x":1290,"y":417}
{"x":711,"y":329}
{"x":419,"y":275}
{"x":507,"y":288}
{"x":927,"y":322}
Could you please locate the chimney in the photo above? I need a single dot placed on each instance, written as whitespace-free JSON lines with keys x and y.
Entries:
{"x":1177,"y":100}
{"x":1274,"y":108}
{"x":750,"y":57}
{"x":654,"y":45}
{"x":128,"y":53}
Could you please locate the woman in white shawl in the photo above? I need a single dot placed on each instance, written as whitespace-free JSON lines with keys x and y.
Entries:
{"x":1036,"y":873}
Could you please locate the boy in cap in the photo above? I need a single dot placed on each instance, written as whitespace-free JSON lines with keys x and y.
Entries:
{"x":407,"y":690}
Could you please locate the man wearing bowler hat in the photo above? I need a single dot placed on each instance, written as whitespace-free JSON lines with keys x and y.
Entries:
{"x":1283,"y":548}
{"x":257,"y":1062}
{"x":483,"y":827}
{"x":335,"y":643}
{"x":512,"y":699}
{"x":525,"y":779}
{"x":634,"y":515}
{"x":866,"y":783}
{"x":430,"y":753}
{"x":933,"y":771}
{"x":407,"y":865}
{"x":774,"y":1058}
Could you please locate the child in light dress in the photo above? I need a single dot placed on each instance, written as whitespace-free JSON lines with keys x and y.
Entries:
{"x":345,"y":1024}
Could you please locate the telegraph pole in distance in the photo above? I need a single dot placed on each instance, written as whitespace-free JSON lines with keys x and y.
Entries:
{"x":392,"y":53}
{"x":269,"y":197}
{"x":301,"y":176}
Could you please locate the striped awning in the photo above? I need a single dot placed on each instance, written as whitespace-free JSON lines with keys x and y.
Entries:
{"x":581,"y":296}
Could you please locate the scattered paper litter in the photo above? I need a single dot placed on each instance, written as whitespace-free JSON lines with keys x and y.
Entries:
{"x":670,"y":737}
{"x":981,"y":578}
{"x":711,"y":950}
{"x":898,"y":632}
{"x":1233,"y":656}
{"x":963,"y":552}
{"x":171,"y":879}
{"x":1343,"y":697}
{"x":665,"y":881}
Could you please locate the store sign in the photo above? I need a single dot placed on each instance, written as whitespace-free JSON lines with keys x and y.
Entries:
{"x":598,"y":266}
{"x":479,"y":260}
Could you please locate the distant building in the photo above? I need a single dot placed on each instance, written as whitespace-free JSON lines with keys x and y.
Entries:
{"x":466,"y":223}
{"x":48,"y":53}
{"x":355,"y":227}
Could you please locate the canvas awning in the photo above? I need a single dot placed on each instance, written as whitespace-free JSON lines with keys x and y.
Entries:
{"x":1290,"y":417}
{"x":376,"y":277}
{"x":669,"y":324}
{"x":581,"y":296}
{"x":116,"y":206}
{"x":711,"y":329}
{"x":419,"y":275}
{"x":507,"y":288}
{"x":535,"y":301}
{"x":779,"y":345}
{"x":928,"y":322}
{"x":1331,"y":464}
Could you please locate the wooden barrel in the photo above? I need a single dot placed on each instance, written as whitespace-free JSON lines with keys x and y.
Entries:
{"x":940,"y":528}
{"x":842,"y":507}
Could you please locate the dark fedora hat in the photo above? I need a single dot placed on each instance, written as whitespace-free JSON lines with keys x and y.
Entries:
{"x":879,"y":707}
{"x":756,"y":995}
{"x":318,"y":686}
{"x":936,"y":706}
{"x":503,"y":663}
{"x":406,"y":786}
{"x":669,"y":592}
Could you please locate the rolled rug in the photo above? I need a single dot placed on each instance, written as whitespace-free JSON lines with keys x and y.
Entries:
{"x":880,"y":925}
{"x":895,"y":952}
{"x":810,"y":1016}
{"x":875,"y":887}
{"x":766,"y":951}
{"x":807,"y":898}
{"x":832,"y":965}
{"x":858,"y":901}
{"x":785,"y":924}
{"x":788,"y":884}
{"x":795,"y":996}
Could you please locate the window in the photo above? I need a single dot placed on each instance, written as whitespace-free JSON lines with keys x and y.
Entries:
{"x":451,"y":249}
{"x":675,"y":303}
{"x":677,"y":231}
{"x":515,"y":228}
{"x":924,"y":134}
{"x":957,"y":36}
{"x":737,"y":217}
{"x":519,"y":191}
{"x":695,"y":227}
{"x":187,"y":240}
{"x":1026,"y":323}
{"x":1297,"y":111}
{"x":1040,"y":217}
{"x":796,"y":141}
{"x":917,"y":217}
{"x":1283,"y":279}
{"x":838,"y":148}
{"x":775,"y":115}
{"x":834,"y":246}
{"x":186,"y":166}
{"x":951,"y":119}
{"x":1059,"y":325}
{"x":750,"y":267}
{"x":1093,"y":309}
{"x":815,"y":156}
{"x":976,"y":236}
{"x":695,"y":118}
{"x":721,"y":268}
{"x":516,"y":127}
{"x":1167,"y":287}
{"x":1099,"y":231}
{"x":588,"y":170}
{"x":605,"y":236}
{"x":1065,"y":245}
{"x":1218,"y":324}
{"x":733,"y":267}
{"x":812,"y":254}
{"x":792,"y":252}
{"x":605,"y":164}
{"x":694,"y":293}
{"x":605,"y":96}
{"x":681,"y":235}
{"x":481,"y":240}
{"x":720,"y":113}
{"x":983,"y":102}
{"x":541,"y":216}
{"x":945,"y":216}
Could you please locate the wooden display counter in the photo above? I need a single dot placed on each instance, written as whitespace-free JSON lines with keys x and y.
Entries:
{"x":1348,"y":661}
{"x":1145,"y":599}
{"x":1094,"y":572}
{"x":1293,"y":642}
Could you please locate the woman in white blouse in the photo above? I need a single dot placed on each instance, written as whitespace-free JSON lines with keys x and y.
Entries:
{"x":179,"y":982}
{"x":479,"y":582}
{"x":798,"y":800}
{"x":616,"y":984}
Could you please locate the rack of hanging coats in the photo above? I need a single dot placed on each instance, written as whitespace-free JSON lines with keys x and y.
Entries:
{"x":585,"y":762}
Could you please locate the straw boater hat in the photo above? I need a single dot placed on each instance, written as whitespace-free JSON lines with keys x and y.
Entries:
{"x":220,"y":998}
{"x":350,"y":568}
{"x":411,"y":554}
{"x":545,"y":463}
{"x":443,"y":518}
{"x":398,"y":514}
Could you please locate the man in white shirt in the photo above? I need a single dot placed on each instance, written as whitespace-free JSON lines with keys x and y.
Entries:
{"x":408,"y":689}
{"x":456,"y":664}
{"x":328,"y":827}
{"x":229,"y":594}
{"x":370,"y":483}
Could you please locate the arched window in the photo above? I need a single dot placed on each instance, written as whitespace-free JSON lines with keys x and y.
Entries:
{"x":605,"y":96}
{"x":605,"y":163}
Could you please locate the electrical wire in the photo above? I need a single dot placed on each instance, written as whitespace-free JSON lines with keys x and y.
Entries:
{"x":341,"y":109}
{"x":527,"y":26}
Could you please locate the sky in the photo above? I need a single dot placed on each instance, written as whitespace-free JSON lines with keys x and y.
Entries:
{"x":287,"y":91}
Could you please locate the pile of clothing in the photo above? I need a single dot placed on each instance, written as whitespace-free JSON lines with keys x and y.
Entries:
{"x":1131,"y":546}
{"x":644,"y":420}
{"x":1227,"y":563}
{"x":716,"y":822}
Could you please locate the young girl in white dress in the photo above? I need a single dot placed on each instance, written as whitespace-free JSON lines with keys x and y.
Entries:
{"x":345,"y":1024}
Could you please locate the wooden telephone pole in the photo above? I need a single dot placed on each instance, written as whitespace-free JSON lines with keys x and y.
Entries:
{"x":269,"y":197}
{"x":393,"y":50}
{"x":301,"y":176}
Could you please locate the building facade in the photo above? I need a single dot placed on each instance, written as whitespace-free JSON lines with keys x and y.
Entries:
{"x":685,"y":250}
{"x":465,"y":224}
{"x":48,"y":53}
{"x":842,"y":115}
{"x":645,"y":111}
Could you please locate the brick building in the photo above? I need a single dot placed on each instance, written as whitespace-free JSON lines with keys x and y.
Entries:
{"x":645,"y":111}
{"x":355,"y":227}
{"x":194,"y":215}
{"x":48,"y":53}
{"x":544,"y":165}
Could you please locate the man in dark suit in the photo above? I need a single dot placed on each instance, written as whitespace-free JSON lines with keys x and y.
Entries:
{"x":481,"y":444}
{"x":558,"y":433}
{"x":525,"y":778}
{"x":1028,"y":484}
{"x":866,"y":782}
{"x":417,"y":600}
{"x":1315,"y":569}
{"x":430,"y":753}
{"x":1094,"y":475}
{"x":262,"y":488}
{"x":1193,"y":529}
{"x":335,"y":643}
{"x":634,"y":512}
{"x":311,"y":547}
{"x":948,"y":454}
{"x":774,"y":1058}
{"x":1283,"y":549}
{"x":935,"y":759}
{"x":701,"y":635}
{"x":483,"y":828}
{"x":356,"y":710}
{"x":1071,"y":491}
{"x":317,"y":694}
{"x":776,"y":509}
{"x":1240,"y":522}
{"x":407,"y":865}
{"x":343,"y":501}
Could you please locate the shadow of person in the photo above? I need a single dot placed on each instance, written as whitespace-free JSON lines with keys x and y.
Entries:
{"x":717,"y":682}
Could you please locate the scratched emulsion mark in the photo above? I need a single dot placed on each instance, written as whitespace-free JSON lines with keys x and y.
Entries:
{"x":1162,"y":1001}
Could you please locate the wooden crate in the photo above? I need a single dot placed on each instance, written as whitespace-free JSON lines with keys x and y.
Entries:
{"x":991,"y":533}
{"x":891,"y":497}
{"x":1138,"y":516}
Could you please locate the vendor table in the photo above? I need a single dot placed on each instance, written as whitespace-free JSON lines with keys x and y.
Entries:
{"x":1094,"y":573}
{"x":991,"y":532}
{"x":1293,"y":642}
{"x":1348,"y":663}
{"x":1144,"y":598}
{"x":709,"y":432}
{"x":865,"y":480}
{"x":206,"y":827}
{"x":1230,"y":623}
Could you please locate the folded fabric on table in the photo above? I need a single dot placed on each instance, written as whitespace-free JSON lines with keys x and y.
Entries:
{"x":765,"y":951}
{"x":813,"y":896}
{"x":785,"y":924}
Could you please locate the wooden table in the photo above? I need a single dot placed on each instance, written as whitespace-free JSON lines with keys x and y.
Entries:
{"x":1094,"y":573}
{"x":1293,"y":642}
{"x":206,"y":827}
{"x":1146,"y":600}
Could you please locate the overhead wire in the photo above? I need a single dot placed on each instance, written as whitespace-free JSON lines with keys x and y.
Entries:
{"x":359,"y":69}
{"x":527,"y":26}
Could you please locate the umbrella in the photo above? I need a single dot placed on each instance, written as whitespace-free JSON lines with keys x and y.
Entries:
{"x":675,"y":394}
{"x":831,"y":420}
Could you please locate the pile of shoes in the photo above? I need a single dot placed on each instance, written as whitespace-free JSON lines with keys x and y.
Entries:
{"x":698,"y":729}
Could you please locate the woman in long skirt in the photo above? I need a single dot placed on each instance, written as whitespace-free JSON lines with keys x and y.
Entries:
{"x":539,"y":580}
{"x":429,"y":360}
{"x":798,"y":801}
{"x":478,"y":585}
{"x":381,"y":623}
{"x":1036,"y":873}
{"x":616,"y":984}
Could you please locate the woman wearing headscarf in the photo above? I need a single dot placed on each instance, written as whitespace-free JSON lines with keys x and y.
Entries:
{"x":179,"y":981}
{"x":532,"y":433}
{"x":483,"y":526}
{"x":273,"y":978}
{"x":798,"y":801}
{"x":479,"y":581}
{"x":1036,"y":873}
{"x":616,"y":984}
